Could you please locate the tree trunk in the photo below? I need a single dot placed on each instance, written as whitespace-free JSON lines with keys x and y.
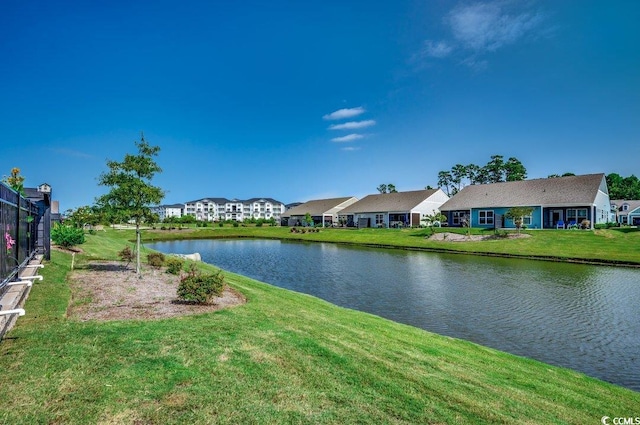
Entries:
{"x":138,"y":250}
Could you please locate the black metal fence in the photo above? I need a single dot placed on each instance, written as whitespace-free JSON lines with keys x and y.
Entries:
{"x":19,"y":219}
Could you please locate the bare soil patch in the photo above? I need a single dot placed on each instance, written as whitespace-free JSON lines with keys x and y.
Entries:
{"x":111,"y":291}
{"x":456,"y":237}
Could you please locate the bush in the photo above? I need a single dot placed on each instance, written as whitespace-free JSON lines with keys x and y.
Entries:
{"x":126,"y":255}
{"x":155,"y":259}
{"x":235,"y":224}
{"x":67,"y":236}
{"x":174,"y":265}
{"x":201,"y":289}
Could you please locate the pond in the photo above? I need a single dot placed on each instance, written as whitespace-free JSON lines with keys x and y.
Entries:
{"x":583,"y":317}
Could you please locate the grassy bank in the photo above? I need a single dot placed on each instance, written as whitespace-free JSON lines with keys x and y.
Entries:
{"x":283,"y":357}
{"x":612,"y":246}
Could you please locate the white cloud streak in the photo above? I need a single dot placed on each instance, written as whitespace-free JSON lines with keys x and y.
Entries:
{"x":350,"y":148}
{"x":71,"y":152}
{"x":353,"y":125}
{"x":488,"y":26}
{"x":348,"y":138}
{"x":480,"y":28}
{"x":344,"y":113}
{"x":436,"y":49}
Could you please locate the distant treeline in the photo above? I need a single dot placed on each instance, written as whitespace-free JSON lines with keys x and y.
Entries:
{"x":498,"y":170}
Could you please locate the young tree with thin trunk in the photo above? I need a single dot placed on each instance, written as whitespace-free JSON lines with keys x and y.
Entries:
{"x":131,"y":193}
{"x":517,"y":214}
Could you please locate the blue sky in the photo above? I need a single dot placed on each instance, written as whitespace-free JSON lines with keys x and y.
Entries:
{"x":305,"y":100}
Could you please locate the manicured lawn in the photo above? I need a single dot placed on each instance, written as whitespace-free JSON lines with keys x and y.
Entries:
{"x":283,"y":357}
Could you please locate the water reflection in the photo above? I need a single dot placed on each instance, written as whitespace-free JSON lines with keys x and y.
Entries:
{"x":578,"y":316}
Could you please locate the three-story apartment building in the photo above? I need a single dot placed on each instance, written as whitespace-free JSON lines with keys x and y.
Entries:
{"x":220,"y":209}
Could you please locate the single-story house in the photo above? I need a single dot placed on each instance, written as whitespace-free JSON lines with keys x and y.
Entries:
{"x":400,"y":209}
{"x":558,"y":202}
{"x":627,"y":212}
{"x":323,"y":212}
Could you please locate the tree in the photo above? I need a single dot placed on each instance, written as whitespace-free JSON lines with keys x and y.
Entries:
{"x":434,"y":220}
{"x":473,"y":174}
{"x":131,"y":193}
{"x":495,"y":169}
{"x":308,"y":220}
{"x":82,"y":216}
{"x":444,"y":181}
{"x":552,"y":176}
{"x":482,"y":176}
{"x":458,"y":172}
{"x":517,"y":214}
{"x":514,"y":170}
{"x":623,"y":187}
{"x":387,"y":188}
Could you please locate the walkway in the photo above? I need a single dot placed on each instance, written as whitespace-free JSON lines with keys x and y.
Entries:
{"x":15,"y":294}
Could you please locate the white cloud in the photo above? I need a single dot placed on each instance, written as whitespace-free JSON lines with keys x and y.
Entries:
{"x":71,"y":152}
{"x":350,"y":148}
{"x":489,"y":26}
{"x":344,"y":113}
{"x":436,"y":49}
{"x":347,"y":138}
{"x":482,"y":27}
{"x":353,"y":125}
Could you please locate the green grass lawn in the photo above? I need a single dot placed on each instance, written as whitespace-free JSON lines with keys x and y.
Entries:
{"x":283,"y":357}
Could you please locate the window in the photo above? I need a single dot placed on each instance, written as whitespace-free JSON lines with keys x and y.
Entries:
{"x":577,"y":215}
{"x":526,"y":220}
{"x":625,"y":207}
{"x":485,"y":217}
{"x":379,"y":219}
{"x":455,"y":218}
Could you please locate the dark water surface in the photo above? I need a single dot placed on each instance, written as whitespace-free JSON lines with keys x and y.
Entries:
{"x":582,"y":317}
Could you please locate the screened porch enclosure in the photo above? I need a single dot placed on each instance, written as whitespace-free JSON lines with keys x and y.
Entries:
{"x":563,"y":218}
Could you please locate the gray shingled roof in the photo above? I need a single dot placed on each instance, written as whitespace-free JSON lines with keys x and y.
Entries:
{"x":633,"y":204}
{"x":214,"y":200}
{"x":316,"y":207}
{"x":558,"y":191}
{"x":389,"y":202}
{"x":225,"y":200}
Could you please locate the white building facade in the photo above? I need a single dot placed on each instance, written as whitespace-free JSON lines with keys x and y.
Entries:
{"x":221,"y":209}
{"x":166,"y":211}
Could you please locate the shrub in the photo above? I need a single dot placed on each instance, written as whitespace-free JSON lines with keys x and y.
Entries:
{"x":126,"y":255}
{"x":201,"y":289}
{"x":155,"y":259}
{"x":235,"y":224}
{"x":174,"y":265}
{"x":67,"y":236}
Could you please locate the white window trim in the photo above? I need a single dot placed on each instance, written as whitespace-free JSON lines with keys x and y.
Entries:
{"x":487,"y":213}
